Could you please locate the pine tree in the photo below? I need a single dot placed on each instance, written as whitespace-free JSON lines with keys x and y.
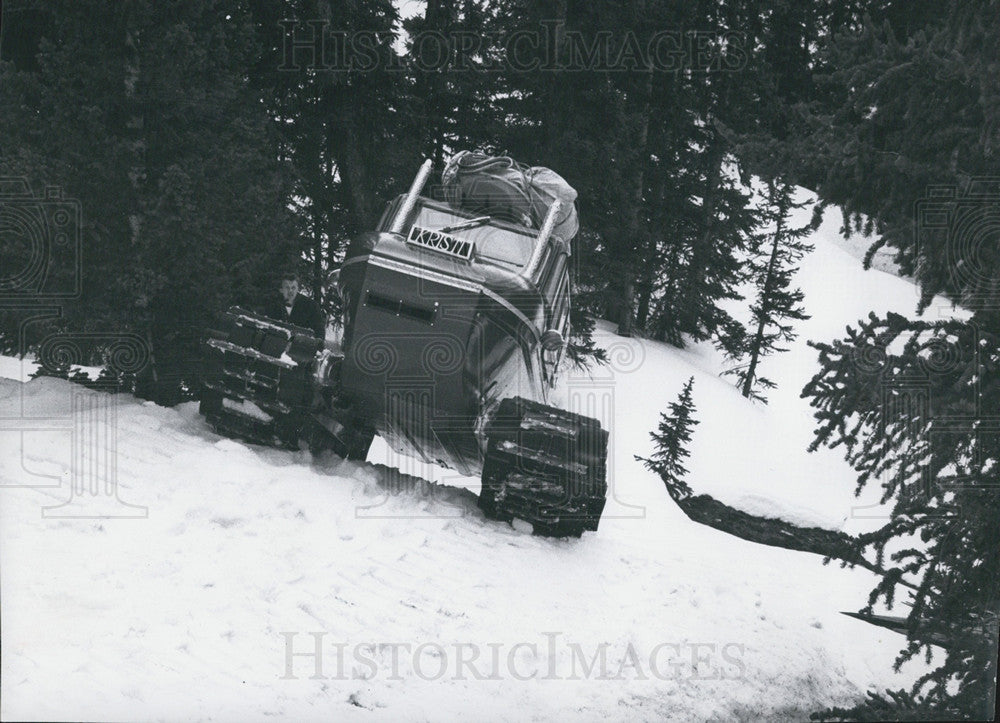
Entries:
{"x":665,"y":221}
{"x":346,"y":131}
{"x":777,"y":302}
{"x":913,"y":112}
{"x":704,"y":256}
{"x":704,"y":220}
{"x":904,"y":398}
{"x":672,"y":436}
{"x":145,"y":113}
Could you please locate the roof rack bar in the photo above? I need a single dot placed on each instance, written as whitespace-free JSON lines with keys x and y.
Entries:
{"x":542,"y":240}
{"x":411,"y":197}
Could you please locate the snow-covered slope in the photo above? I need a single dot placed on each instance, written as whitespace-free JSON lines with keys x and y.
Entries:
{"x":240,"y":557}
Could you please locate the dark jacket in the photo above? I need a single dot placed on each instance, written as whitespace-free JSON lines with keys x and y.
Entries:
{"x":305,"y":313}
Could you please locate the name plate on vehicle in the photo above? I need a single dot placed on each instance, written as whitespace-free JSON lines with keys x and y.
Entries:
{"x":443,"y":242}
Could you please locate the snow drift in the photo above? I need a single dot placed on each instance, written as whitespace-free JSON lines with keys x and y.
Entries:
{"x":236,"y":583}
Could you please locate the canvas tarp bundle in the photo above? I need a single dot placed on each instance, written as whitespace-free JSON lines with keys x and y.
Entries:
{"x":501,"y":187}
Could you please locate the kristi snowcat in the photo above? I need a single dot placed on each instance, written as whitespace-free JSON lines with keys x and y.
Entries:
{"x":456,"y":316}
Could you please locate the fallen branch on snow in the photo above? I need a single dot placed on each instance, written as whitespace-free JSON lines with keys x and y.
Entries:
{"x":831,"y":544}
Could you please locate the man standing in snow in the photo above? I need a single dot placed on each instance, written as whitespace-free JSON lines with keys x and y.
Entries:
{"x":292,"y":307}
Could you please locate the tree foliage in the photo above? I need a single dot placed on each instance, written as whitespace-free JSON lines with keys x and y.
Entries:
{"x":906,"y":400}
{"x":205,"y":159}
{"x":777,"y":303}
{"x":144,"y":113}
{"x":671,"y":437}
{"x":905,"y":140}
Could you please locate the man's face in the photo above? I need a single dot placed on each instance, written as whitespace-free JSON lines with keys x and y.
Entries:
{"x":289,"y":290}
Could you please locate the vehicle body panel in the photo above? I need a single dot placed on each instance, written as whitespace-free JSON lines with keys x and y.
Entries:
{"x":433,"y":342}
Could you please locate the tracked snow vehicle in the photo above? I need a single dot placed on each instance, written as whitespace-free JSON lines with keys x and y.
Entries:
{"x":455,"y":321}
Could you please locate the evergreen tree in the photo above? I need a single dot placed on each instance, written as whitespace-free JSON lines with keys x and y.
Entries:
{"x":582,"y":350}
{"x":452,"y":97}
{"x":342,"y":115}
{"x":144,"y":113}
{"x":672,"y":436}
{"x":703,"y":263}
{"x":777,"y":303}
{"x":704,"y":221}
{"x":667,"y":220}
{"x":905,"y":399}
{"x":912,"y":116}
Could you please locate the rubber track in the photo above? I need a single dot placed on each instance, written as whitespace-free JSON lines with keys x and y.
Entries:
{"x":546,"y":466}
{"x":250,"y":373}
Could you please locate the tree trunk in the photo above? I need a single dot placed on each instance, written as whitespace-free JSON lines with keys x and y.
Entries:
{"x":713,"y":178}
{"x":765,"y":301}
{"x":625,"y":321}
{"x":134,"y":124}
{"x":631,"y":216}
{"x":429,"y":86}
{"x":317,"y":224}
{"x":353,"y":163}
{"x":647,"y":277}
{"x":553,"y":108}
{"x":645,"y":296}
{"x":758,"y":338}
{"x":669,"y":295}
{"x":333,"y":239}
{"x":708,"y":511}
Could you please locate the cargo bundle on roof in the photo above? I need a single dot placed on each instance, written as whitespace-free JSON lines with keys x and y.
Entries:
{"x":501,"y":187}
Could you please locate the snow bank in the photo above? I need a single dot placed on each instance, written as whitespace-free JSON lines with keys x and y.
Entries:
{"x":223,"y":566}
{"x":246,"y":553}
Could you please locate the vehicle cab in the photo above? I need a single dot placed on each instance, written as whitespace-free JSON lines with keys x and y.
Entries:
{"x":446,"y":313}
